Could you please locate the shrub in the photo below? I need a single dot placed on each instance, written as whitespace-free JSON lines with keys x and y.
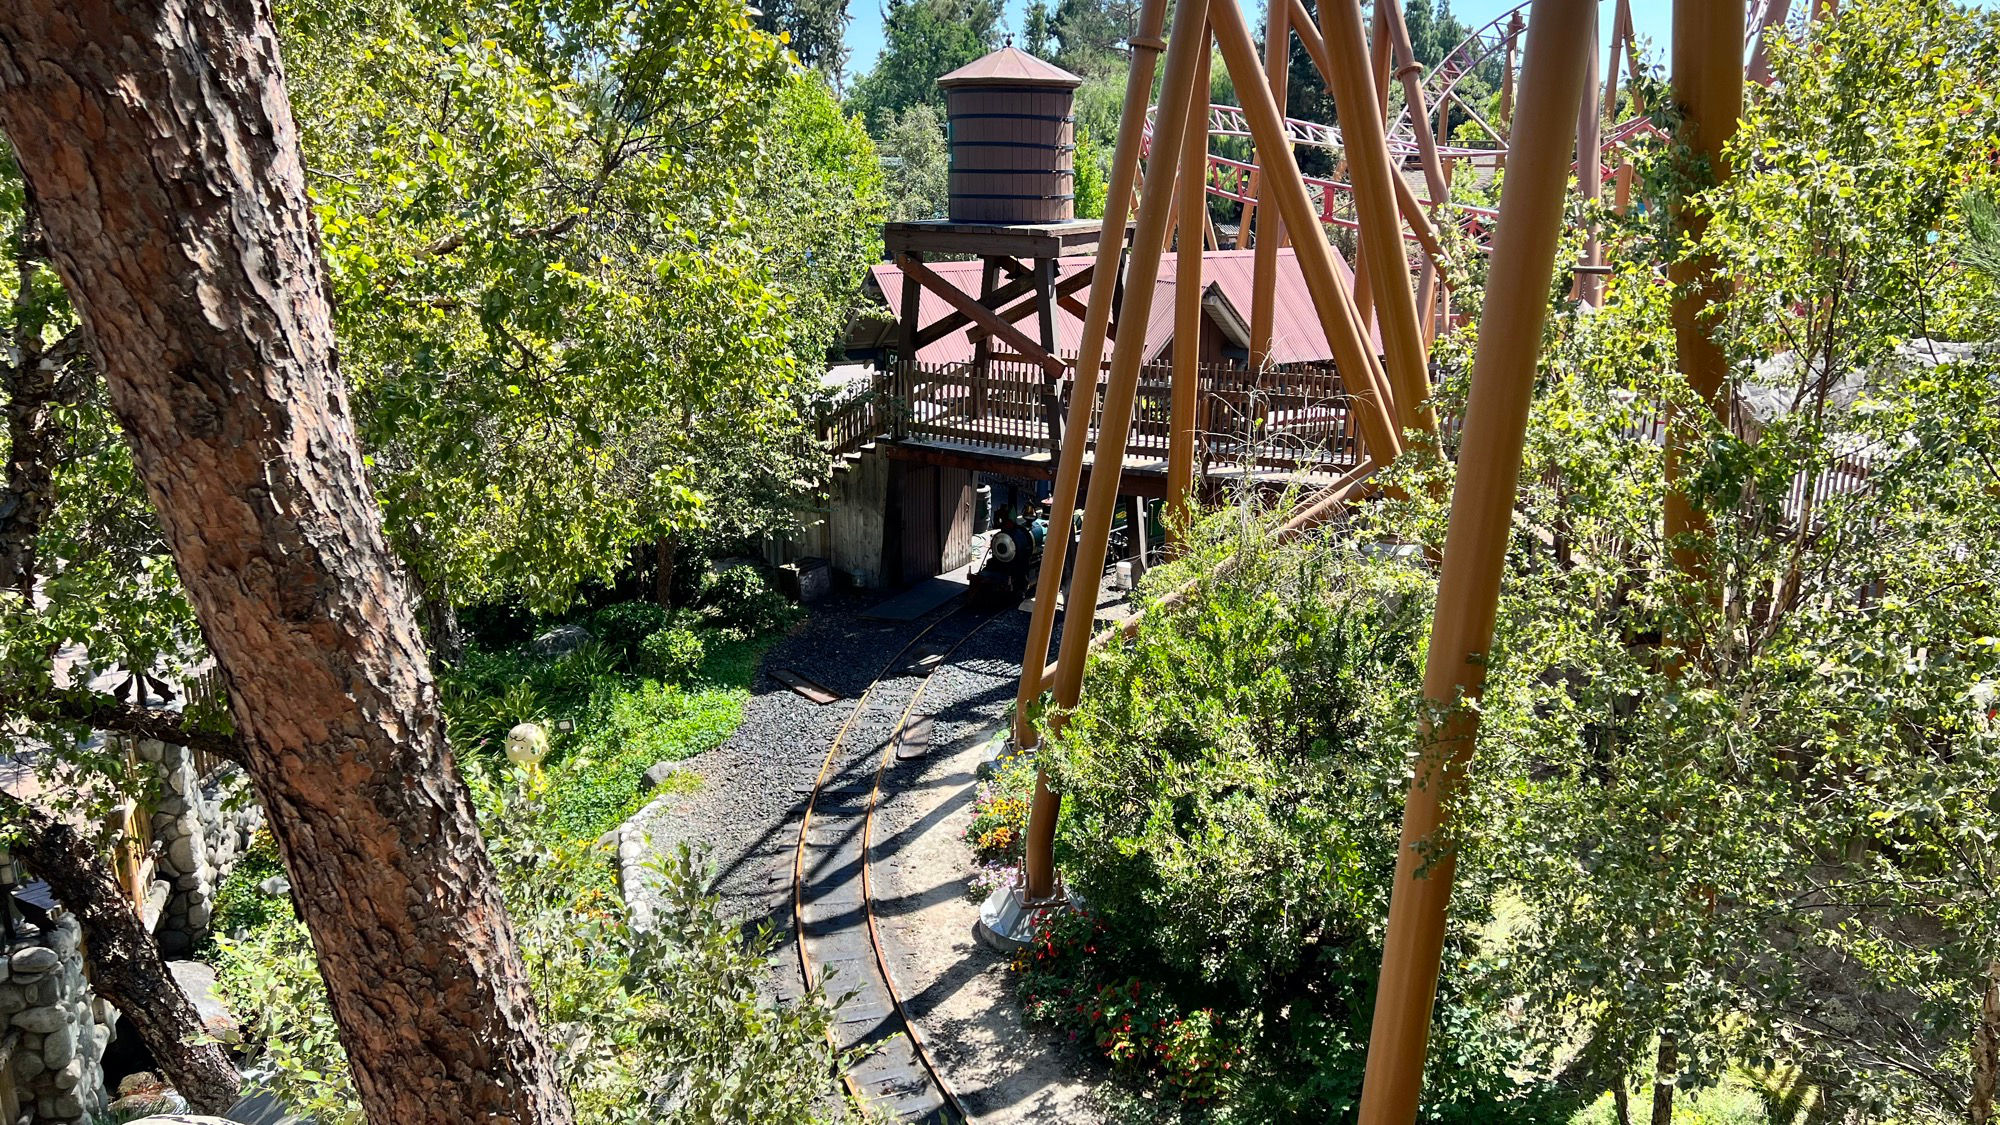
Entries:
{"x":1000,"y":812}
{"x":240,"y":905}
{"x":673,"y":653}
{"x":739,"y":598}
{"x":664,"y":1024}
{"x":623,"y":628}
{"x":1233,"y":778}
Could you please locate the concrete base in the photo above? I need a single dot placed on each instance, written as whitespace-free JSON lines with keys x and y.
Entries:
{"x":992,"y":753}
{"x":1007,"y":923}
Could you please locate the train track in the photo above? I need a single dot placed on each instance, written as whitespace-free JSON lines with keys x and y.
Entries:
{"x":832,"y":911}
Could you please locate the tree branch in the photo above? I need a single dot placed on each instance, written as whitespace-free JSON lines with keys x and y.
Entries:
{"x":103,"y":712}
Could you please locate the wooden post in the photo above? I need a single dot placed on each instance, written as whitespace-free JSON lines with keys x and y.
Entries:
{"x":1109,"y":283}
{"x":1046,"y":296}
{"x":1270,"y":223}
{"x":906,"y":351}
{"x":1367,"y":149}
{"x":1503,"y":376}
{"x":1708,"y":84}
{"x":1187,"y":299}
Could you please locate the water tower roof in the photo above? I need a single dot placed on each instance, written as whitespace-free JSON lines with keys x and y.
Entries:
{"x":1009,"y":66}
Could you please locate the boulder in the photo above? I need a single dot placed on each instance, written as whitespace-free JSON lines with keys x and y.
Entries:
{"x":658,"y":773}
{"x":198,"y":981}
{"x":41,"y":1021}
{"x":33,"y":961}
{"x":562,"y":639}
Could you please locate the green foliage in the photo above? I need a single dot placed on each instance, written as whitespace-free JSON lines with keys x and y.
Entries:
{"x":1090,"y":35}
{"x":586,"y":261}
{"x":1232,"y":779}
{"x":917,"y":163}
{"x":676,"y":692}
{"x":663,"y":1024}
{"x":1090,"y":177}
{"x":740,"y":598}
{"x":623,"y":626}
{"x":671,"y":654}
{"x":240,"y":906}
{"x":922,"y":40}
{"x":813,"y":29}
{"x":1747,"y":802}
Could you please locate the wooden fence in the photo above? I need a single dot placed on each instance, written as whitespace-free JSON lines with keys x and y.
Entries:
{"x":1290,"y":419}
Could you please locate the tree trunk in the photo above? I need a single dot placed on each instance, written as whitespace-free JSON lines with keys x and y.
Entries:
{"x":156,"y":138}
{"x":664,"y":551}
{"x":34,"y":427}
{"x":1664,"y":1073}
{"x":1621,"y":1100}
{"x":125,"y":966}
{"x":1986,"y":1051}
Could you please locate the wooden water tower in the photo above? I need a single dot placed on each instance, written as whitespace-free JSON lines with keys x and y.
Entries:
{"x":1012,"y":130}
{"x":1011,"y":120}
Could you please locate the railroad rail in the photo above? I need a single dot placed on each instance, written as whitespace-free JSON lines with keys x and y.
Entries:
{"x":832,"y":891}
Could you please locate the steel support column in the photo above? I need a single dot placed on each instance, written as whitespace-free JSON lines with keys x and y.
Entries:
{"x":1482,"y":503}
{"x":1188,"y":44}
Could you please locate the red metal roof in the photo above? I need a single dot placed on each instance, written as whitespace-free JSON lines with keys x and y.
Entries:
{"x":1009,"y":66}
{"x":1296,"y":336}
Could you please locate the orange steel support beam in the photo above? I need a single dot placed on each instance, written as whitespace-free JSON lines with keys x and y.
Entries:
{"x":1590,"y":176}
{"x":1146,"y":46}
{"x":1367,"y":149}
{"x":1186,"y":386}
{"x":1270,"y":223}
{"x":1374,"y":399}
{"x":1708,"y":84}
{"x":1774,"y":24}
{"x":1482,"y":504}
{"x":1184,"y":51}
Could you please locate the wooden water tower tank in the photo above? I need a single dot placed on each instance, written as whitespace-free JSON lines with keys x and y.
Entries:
{"x":1012,"y":123}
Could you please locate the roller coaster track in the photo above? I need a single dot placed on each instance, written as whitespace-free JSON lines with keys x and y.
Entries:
{"x":832,"y":890}
{"x":1232,"y":179}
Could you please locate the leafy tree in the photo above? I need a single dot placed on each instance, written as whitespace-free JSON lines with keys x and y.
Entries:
{"x":1775,"y":842}
{"x":567,"y":252}
{"x":918,"y":165}
{"x":813,"y":29}
{"x":1037,"y":32}
{"x":923,"y":40}
{"x":1090,"y":35}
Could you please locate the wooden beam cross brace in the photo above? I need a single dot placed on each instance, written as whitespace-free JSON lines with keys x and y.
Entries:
{"x":916,"y":271}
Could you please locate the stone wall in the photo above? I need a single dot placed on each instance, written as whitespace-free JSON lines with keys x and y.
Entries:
{"x":201,"y":827}
{"x":57,"y":1062}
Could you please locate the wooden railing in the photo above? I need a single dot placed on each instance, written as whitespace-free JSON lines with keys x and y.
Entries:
{"x":858,"y":415}
{"x":1287,"y":419}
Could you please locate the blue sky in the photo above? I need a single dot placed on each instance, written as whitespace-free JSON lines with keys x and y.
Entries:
{"x":864,"y":30}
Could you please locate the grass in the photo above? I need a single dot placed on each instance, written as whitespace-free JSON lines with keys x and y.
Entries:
{"x":621,"y":723}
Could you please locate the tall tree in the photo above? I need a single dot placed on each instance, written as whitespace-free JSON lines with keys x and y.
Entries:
{"x":587,"y":261}
{"x":814,"y":30}
{"x":922,"y":40}
{"x":160,"y":146}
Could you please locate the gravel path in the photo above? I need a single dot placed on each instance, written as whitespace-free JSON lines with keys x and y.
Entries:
{"x":754,"y":787}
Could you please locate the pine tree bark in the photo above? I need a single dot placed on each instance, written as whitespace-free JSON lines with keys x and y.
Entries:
{"x":664,"y":554}
{"x":156,"y":138}
{"x":124,"y":965}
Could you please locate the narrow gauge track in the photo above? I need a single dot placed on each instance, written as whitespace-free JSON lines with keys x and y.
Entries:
{"x":832,"y":912}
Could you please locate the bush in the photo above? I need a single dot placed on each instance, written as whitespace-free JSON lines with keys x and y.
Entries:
{"x":740,"y":598}
{"x":240,"y":906}
{"x":665,"y":1024}
{"x":623,"y":628}
{"x":1232,"y":783}
{"x":672,"y":654}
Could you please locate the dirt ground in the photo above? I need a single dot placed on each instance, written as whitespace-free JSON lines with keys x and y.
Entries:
{"x":957,"y":990}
